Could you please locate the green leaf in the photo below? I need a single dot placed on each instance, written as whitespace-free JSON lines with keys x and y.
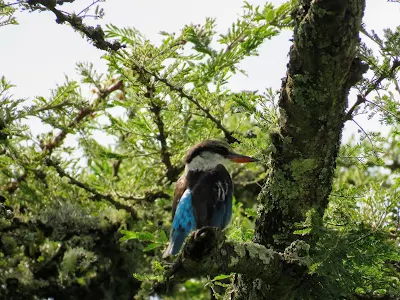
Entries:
{"x":141,"y":236}
{"x":250,"y":212}
{"x":302,"y":231}
{"x":162,"y":237}
{"x":221,"y":277}
{"x":151,"y":247}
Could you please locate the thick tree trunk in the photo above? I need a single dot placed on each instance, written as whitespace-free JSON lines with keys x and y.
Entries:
{"x":322,"y":68}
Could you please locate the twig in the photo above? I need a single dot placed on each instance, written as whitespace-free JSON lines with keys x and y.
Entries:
{"x":172,"y":171}
{"x":228,"y":135}
{"x":381,"y":108}
{"x":89,"y":6}
{"x":115,"y":168}
{"x":61,"y":2}
{"x":367,"y":135}
{"x":11,"y":4}
{"x":97,"y":194}
{"x":361,"y":238}
{"x":82,"y":114}
{"x":96,"y":35}
{"x":56,"y":106}
{"x":362,"y":98}
{"x":148,"y":197}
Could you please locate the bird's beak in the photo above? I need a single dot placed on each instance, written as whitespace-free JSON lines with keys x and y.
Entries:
{"x":238,"y":158}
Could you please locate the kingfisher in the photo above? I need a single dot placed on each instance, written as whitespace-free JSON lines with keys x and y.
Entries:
{"x":203,"y":194}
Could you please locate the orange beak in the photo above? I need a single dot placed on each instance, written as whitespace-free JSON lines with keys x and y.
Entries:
{"x":238,"y":158}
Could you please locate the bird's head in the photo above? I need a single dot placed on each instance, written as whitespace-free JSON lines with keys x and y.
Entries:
{"x":210,"y":153}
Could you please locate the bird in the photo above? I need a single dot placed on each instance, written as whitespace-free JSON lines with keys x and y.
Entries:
{"x":203,"y":194}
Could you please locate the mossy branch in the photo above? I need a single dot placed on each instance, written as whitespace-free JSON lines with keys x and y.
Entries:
{"x":207,"y":252}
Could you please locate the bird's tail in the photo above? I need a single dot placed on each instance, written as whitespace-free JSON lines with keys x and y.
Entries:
{"x":175,"y":244}
{"x":168,"y":251}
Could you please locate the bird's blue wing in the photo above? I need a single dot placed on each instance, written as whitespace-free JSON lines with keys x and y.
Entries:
{"x":184,"y":222}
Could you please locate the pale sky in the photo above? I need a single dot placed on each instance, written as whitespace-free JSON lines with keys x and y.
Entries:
{"x":37,"y":54}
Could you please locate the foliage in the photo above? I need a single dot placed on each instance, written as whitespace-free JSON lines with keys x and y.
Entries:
{"x":90,"y":217}
{"x":7,"y":14}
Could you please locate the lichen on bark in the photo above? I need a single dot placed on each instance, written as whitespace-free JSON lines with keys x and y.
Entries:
{"x":312,"y":104}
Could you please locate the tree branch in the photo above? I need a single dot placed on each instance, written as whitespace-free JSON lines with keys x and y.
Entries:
{"x":59,"y":138}
{"x":82,"y":114}
{"x":228,"y":135}
{"x":96,"y":35}
{"x":51,"y":163}
{"x":362,"y":98}
{"x":155,"y":107}
{"x":207,"y":252}
{"x":148,"y":197}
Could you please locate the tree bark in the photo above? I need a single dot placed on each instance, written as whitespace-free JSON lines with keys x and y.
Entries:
{"x":322,"y":68}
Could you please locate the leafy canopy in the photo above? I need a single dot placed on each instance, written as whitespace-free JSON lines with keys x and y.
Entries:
{"x":86,"y":215}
